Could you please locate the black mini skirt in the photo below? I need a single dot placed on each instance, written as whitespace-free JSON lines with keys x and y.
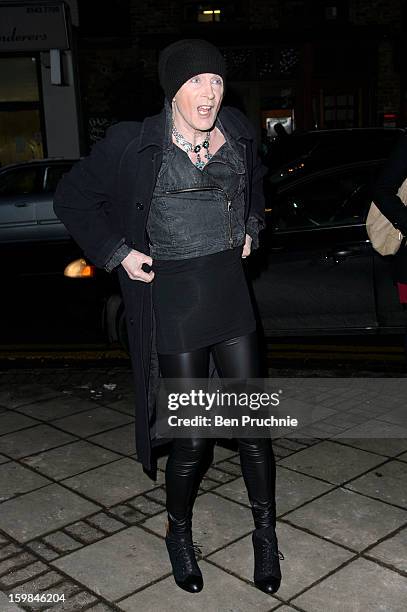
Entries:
{"x":200,"y":301}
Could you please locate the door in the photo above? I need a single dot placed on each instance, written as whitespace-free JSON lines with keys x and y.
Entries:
{"x":319,"y":271}
{"x":20,"y":188}
{"x":49,"y":226}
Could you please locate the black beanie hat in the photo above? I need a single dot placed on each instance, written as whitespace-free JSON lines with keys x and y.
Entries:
{"x":184,"y":59}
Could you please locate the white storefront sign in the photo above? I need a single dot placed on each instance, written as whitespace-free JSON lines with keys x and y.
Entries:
{"x":33,"y":26}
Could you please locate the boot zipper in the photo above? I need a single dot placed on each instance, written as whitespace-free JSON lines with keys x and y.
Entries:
{"x":229,"y":203}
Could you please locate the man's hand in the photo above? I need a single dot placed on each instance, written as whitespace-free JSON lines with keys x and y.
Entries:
{"x":247,"y":246}
{"x":132,"y":264}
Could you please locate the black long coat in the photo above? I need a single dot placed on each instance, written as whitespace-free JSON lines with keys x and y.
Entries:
{"x":103,"y":201}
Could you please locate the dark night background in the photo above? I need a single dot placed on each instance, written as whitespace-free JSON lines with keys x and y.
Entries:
{"x":335,"y":64}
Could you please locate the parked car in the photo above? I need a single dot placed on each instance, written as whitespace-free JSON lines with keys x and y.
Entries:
{"x":316,"y":271}
{"x":302,"y":153}
{"x":39,"y":302}
{"x":26,"y":194}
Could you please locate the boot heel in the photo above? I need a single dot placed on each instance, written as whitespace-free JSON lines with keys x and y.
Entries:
{"x":267,"y":572}
{"x":181,"y":550}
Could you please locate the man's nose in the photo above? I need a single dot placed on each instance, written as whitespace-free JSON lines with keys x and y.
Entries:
{"x":208,"y":89}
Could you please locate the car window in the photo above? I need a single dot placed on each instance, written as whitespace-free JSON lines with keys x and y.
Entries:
{"x":54,"y":174}
{"x":333,"y":199}
{"x":353,"y":148}
{"x":21,"y":181}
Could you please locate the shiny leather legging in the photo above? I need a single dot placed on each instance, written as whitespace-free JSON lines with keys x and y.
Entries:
{"x":190,"y":458}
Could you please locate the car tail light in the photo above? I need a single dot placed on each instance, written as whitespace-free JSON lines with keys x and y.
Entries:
{"x":79,"y":268}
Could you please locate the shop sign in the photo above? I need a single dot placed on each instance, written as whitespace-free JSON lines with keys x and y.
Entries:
{"x":33,"y":26}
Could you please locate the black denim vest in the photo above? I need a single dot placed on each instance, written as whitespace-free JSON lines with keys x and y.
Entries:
{"x":197,"y":212}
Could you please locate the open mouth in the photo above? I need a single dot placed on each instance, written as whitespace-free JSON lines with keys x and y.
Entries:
{"x":204,"y":111}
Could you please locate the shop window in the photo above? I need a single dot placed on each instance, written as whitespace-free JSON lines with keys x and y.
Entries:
{"x":312,"y":12}
{"x":21,"y":137}
{"x":18,"y":79}
{"x":332,"y":11}
{"x":211,"y":12}
{"x":339,"y":111}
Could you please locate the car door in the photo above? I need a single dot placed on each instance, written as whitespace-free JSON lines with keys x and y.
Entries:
{"x":49,"y":226}
{"x":318,"y":270}
{"x":19,"y":190}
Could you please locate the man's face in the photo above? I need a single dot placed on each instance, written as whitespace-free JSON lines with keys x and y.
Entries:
{"x":199,"y":99}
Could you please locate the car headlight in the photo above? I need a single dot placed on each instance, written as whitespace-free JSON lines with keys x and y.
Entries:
{"x":79,"y":268}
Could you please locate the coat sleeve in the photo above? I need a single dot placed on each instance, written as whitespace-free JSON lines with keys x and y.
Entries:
{"x":256,"y":220}
{"x":117,"y":257}
{"x":85,"y":195}
{"x":384,"y":193}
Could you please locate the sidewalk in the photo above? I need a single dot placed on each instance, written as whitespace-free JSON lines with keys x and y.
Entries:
{"x":79,"y":517}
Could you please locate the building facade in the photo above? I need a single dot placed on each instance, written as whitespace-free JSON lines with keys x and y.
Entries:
{"x":304,"y":63}
{"x":39,"y":85}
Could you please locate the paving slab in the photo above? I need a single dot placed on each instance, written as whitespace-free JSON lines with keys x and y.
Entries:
{"x":348,"y":518}
{"x":121,"y":480}
{"x":56,"y":407}
{"x":392,"y":443}
{"x":37,"y":584}
{"x":62,"y":542}
{"x":20,"y":394}
{"x":145,"y":505}
{"x":33,"y":440}
{"x":121,"y":439}
{"x":38,"y":512}
{"x":306,"y":559}
{"x":15,"y":479}
{"x":10,"y":421}
{"x":392,"y":551}
{"x":70,"y":459}
{"x":359,"y":587}
{"x":124,"y":404}
{"x":387,"y":482}
{"x":397,"y":416}
{"x":220,"y":453}
{"x":216,"y":522}
{"x":333,"y":462}
{"x":79,"y":601}
{"x":92,"y":421}
{"x":118,"y":565}
{"x":222,"y":592}
{"x":6,"y":605}
{"x":229,"y":466}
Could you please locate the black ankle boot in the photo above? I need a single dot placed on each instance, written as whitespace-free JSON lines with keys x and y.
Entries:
{"x":267,"y":573}
{"x":181,"y":550}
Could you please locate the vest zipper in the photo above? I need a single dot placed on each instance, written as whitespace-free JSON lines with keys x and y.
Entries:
{"x":229,"y":203}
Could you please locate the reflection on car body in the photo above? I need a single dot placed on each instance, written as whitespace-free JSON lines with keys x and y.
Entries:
{"x":302,"y":153}
{"x":26,"y":195}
